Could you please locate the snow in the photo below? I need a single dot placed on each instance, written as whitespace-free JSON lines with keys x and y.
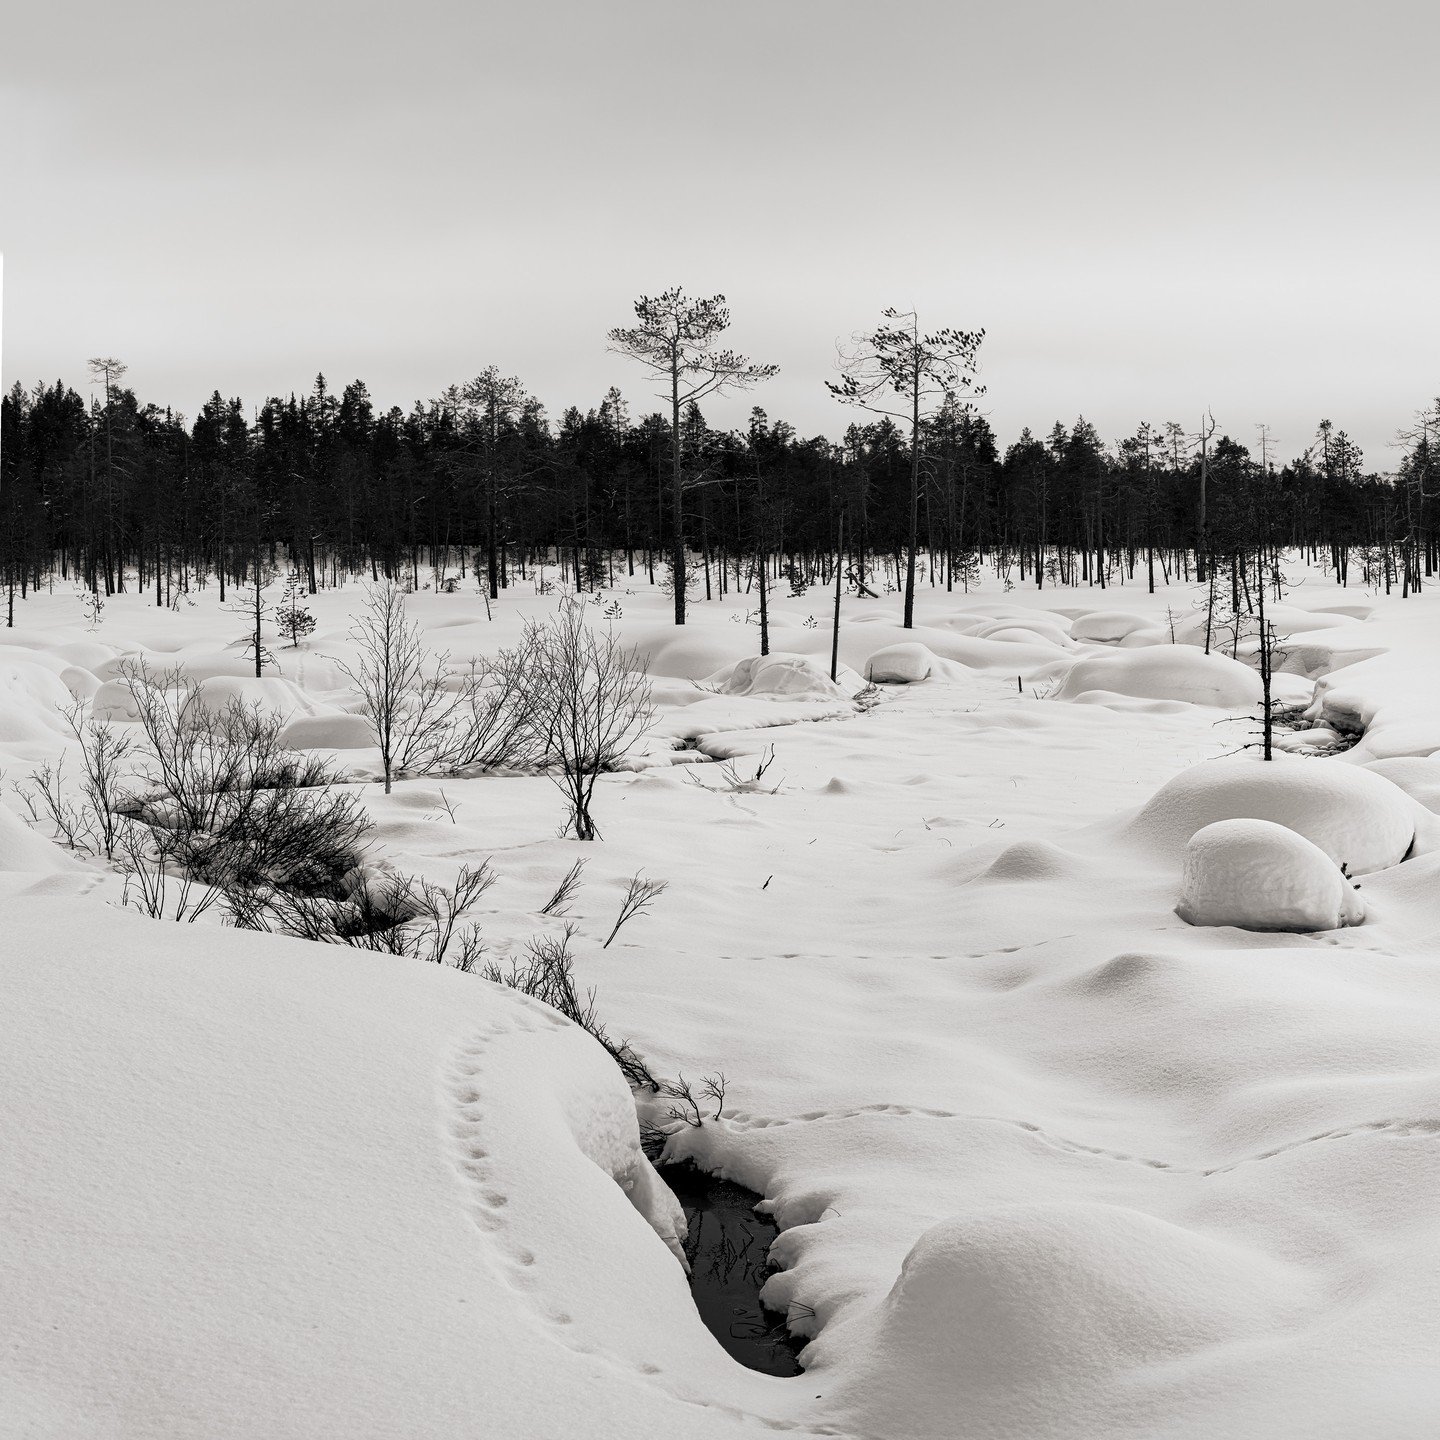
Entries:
{"x":1108,"y":627}
{"x":900,"y":665}
{"x":1049,"y":1162}
{"x":1356,"y":817}
{"x":1262,"y":876}
{"x":793,"y":676}
{"x":1177,"y":672}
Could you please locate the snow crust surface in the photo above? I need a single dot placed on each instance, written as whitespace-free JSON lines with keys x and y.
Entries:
{"x":1049,"y":1162}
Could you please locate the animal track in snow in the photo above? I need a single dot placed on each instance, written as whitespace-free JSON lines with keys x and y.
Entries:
{"x":1400,"y":1128}
{"x":488,"y":1205}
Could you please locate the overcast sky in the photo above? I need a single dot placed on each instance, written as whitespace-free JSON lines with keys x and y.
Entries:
{"x":1150,"y":207}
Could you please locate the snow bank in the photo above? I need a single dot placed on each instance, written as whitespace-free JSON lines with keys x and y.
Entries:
{"x":1107,"y":627}
{"x":1418,"y":776}
{"x":794,"y":677}
{"x":1002,"y":1318}
{"x":260,"y":1188}
{"x":32,"y":699}
{"x":1257,"y":875}
{"x":1171,"y":672}
{"x":900,"y":665}
{"x":328,"y":732}
{"x":269,"y":694}
{"x":1357,"y":818}
{"x":26,"y":851}
{"x":688,"y":655}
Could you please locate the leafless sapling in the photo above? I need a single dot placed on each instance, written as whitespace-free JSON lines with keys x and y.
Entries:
{"x":640,"y":894}
{"x":589,"y":697}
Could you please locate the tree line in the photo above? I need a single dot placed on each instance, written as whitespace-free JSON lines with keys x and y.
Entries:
{"x":479,"y":486}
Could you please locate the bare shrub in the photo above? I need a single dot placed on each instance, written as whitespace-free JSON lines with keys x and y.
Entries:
{"x":427,"y":718}
{"x":689,"y":1108}
{"x":402,"y":686}
{"x":239,"y":810}
{"x":589,"y":700}
{"x":640,"y":894}
{"x":559,"y":902}
{"x":546,"y":972}
{"x":157,"y":880}
{"x":734,"y":782}
{"x":90,"y":826}
{"x":392,"y":914}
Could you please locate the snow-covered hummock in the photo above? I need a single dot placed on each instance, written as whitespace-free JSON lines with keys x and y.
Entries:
{"x":1165,"y":672}
{"x":900,"y":665}
{"x":255,"y":1189}
{"x":1359,"y":819}
{"x":1257,"y":875}
{"x":1418,"y":776}
{"x":24,"y":850}
{"x":791,"y":676}
{"x":328,"y":732}
{"x":1006,"y":1319}
{"x":1107,"y":627}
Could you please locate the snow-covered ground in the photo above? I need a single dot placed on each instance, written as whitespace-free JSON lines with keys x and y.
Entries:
{"x":1048,"y":1160}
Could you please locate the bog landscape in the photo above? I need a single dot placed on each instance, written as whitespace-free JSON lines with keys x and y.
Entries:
{"x":994,"y":891}
{"x":719,"y":720}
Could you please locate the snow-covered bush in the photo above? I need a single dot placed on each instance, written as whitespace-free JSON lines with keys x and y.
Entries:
{"x":1357,"y":818}
{"x":994,"y":1307}
{"x":224,"y":802}
{"x":1257,"y":875}
{"x":1165,"y":672}
{"x":797,"y":677}
{"x":1107,"y":627}
{"x":900,"y":665}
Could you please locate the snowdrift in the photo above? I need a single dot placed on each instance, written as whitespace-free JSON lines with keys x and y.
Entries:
{"x":257,"y":1187}
{"x":1001,"y":1317}
{"x":900,"y":665}
{"x":1356,"y":817}
{"x":1257,"y":875}
{"x":1172,"y":672}
{"x":792,"y":677}
{"x":1107,"y":627}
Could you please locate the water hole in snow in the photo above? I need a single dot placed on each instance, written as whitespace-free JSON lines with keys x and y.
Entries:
{"x":727,"y":1244}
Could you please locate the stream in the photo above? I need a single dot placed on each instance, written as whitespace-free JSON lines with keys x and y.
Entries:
{"x":727,"y":1245}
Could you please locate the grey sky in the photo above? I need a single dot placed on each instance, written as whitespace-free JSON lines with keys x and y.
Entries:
{"x":1150,"y":207}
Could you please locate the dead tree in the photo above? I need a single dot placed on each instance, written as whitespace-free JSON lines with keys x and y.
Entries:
{"x":899,"y":372}
{"x":675,"y":340}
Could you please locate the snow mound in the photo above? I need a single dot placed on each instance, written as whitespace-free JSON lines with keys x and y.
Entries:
{"x":796,"y":677}
{"x":1028,"y":635}
{"x":998,"y":1310}
{"x":1150,"y":635}
{"x":86,"y":654}
{"x":81,"y":683}
{"x":1417,"y":775}
{"x":1357,"y":818}
{"x":31,"y":699}
{"x":1257,"y":875}
{"x":268,"y":694}
{"x":900,"y":665}
{"x":1031,"y":860}
{"x":1028,"y":628}
{"x":1315,"y":739}
{"x":687,"y":657}
{"x":113,"y":701}
{"x":328,"y":732}
{"x":1169,"y":672}
{"x":26,"y":850}
{"x":1107,"y":627}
